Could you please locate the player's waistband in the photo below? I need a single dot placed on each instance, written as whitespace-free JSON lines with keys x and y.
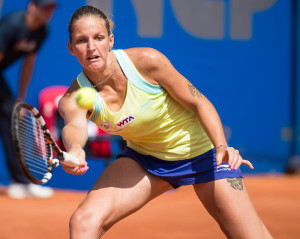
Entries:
{"x":200,"y":169}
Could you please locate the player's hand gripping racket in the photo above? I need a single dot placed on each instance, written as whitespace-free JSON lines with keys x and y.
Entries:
{"x":34,"y":145}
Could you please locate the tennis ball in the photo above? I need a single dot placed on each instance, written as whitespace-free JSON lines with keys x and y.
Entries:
{"x":86,"y":97}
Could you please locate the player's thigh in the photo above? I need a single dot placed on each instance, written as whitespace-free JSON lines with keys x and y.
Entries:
{"x":228,"y":201}
{"x":122,"y":188}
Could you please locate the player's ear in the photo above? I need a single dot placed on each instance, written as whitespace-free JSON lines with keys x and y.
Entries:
{"x":70,"y":48}
{"x":111,"y":41}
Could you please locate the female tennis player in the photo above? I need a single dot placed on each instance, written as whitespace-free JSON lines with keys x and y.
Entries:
{"x":174,"y":135}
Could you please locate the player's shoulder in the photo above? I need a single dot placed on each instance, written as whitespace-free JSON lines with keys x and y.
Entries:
{"x":67,"y":99}
{"x":14,"y":19}
{"x":145,"y":57}
{"x":143,"y":53}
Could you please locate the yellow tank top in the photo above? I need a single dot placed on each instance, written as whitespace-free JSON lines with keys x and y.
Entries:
{"x":150,"y":120}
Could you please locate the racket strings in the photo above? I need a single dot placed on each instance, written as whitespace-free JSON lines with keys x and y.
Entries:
{"x":33,"y":146}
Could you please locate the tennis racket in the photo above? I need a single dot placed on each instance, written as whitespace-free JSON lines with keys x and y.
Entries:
{"x":34,"y":145}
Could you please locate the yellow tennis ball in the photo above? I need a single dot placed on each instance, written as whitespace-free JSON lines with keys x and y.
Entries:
{"x":86,"y":97}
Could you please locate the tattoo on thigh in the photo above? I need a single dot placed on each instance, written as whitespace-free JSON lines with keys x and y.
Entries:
{"x":194,"y":91}
{"x":236,"y":183}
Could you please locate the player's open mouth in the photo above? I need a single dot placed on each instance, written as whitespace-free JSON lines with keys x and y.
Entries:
{"x":93,"y":57}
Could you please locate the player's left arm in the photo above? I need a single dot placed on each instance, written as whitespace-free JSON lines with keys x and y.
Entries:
{"x":162,"y":72}
{"x":25,"y":75}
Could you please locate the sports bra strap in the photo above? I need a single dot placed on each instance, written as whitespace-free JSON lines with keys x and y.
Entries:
{"x":133,"y":75}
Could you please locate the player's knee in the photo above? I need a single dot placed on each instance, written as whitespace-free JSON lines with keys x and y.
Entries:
{"x":78,"y":222}
{"x":85,"y":222}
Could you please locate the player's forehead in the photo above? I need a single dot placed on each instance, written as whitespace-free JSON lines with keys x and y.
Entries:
{"x":94,"y":20}
{"x":88,"y":25}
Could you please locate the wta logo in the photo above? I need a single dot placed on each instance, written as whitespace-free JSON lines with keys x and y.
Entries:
{"x":125,"y":121}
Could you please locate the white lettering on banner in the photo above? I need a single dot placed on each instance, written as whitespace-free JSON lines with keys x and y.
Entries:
{"x":105,"y":6}
{"x":205,"y":19}
{"x":241,"y":16}
{"x":149,"y":24}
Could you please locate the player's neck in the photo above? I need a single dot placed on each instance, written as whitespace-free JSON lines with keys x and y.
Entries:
{"x":101,"y":77}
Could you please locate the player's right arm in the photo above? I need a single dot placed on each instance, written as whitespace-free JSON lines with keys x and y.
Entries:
{"x":74,"y":134}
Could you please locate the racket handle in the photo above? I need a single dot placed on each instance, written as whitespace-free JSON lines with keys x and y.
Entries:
{"x":70,"y":160}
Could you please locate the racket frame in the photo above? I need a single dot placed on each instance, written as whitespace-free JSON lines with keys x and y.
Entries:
{"x":51,"y":145}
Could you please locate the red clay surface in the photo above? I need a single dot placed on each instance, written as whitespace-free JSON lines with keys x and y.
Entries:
{"x":175,"y":215}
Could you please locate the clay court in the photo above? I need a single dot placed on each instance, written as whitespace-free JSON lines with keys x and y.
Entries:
{"x":276,"y":198}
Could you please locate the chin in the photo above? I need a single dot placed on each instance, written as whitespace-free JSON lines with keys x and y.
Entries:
{"x":93,"y":66}
{"x":92,"y":69}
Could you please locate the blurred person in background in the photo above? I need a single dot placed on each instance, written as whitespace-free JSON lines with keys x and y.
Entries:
{"x":21,"y":36}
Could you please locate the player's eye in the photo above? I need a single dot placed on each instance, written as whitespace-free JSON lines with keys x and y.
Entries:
{"x":80,"y":41}
{"x":99,"y":38}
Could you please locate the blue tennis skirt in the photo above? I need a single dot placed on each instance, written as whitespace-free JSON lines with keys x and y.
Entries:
{"x":200,"y":169}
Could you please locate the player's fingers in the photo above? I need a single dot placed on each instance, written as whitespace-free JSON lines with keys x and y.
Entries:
{"x":75,"y":170}
{"x":67,"y":168}
{"x":220,"y":155}
{"x":236,"y":160}
{"x":248,"y":163}
{"x":218,"y":160}
{"x":83,"y":169}
{"x":231,"y":156}
{"x":80,"y":170}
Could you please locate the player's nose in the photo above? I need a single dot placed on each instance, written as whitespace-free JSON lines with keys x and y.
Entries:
{"x":91,"y":45}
